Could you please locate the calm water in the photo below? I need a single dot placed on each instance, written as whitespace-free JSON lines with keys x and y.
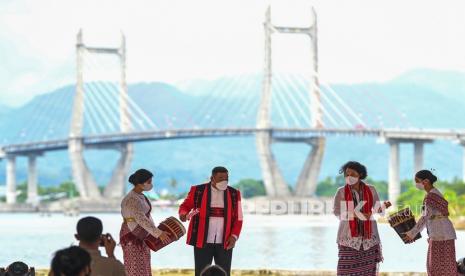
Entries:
{"x":284,"y":242}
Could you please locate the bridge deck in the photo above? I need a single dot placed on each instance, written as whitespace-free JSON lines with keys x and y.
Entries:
{"x":277,"y":134}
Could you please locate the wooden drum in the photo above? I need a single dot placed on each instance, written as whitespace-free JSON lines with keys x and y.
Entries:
{"x":171,"y":225}
{"x":403,"y":221}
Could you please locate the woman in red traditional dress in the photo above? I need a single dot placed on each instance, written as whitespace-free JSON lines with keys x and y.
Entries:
{"x":358,"y":238}
{"x":137,"y":225}
{"x":441,"y":234}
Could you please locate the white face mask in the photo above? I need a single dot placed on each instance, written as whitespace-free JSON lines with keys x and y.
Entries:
{"x":147,"y":187}
{"x":419,"y":186}
{"x":351,"y":180}
{"x":222,"y":185}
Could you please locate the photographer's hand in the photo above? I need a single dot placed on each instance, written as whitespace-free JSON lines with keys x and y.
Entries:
{"x":109,"y":244}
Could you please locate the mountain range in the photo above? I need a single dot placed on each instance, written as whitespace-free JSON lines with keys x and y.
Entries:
{"x":419,"y":98}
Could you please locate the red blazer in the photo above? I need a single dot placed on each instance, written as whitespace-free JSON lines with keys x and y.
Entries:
{"x":200,"y":197}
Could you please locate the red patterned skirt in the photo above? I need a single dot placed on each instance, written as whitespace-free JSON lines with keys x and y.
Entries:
{"x":361,"y":262}
{"x":136,"y":253}
{"x":441,"y":258}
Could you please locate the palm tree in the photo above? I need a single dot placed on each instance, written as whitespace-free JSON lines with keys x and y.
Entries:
{"x":173,"y":183}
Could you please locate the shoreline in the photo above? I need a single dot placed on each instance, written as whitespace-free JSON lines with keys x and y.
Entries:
{"x":76,"y":207}
{"x":299,"y":235}
{"x":258,"y":271}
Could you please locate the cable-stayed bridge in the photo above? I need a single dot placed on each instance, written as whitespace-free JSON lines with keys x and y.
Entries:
{"x":293,"y":108}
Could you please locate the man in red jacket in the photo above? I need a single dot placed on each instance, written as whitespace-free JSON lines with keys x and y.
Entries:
{"x":215,"y":220}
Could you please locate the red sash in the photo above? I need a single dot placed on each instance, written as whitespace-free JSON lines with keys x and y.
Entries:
{"x":368,"y":198}
{"x":216,"y":212}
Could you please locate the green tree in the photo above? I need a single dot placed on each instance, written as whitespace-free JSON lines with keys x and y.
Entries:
{"x":173,"y":183}
{"x":22,"y":192}
{"x":453,"y":192}
{"x":52,"y":192}
{"x":182,"y":195}
{"x":250,"y":188}
{"x":380,"y":186}
{"x":329,"y":186}
{"x":405,"y":185}
{"x":412,"y":198}
{"x":21,"y":189}
{"x":49,"y":192}
{"x":456,"y":185}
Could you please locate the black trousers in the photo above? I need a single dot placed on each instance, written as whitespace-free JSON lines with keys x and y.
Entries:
{"x":204,"y":257}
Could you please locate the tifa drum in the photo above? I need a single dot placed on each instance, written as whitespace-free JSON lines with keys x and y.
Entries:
{"x":403,"y":221}
{"x":171,"y":225}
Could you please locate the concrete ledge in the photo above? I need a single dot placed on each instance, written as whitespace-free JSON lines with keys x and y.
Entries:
{"x":252,"y":272}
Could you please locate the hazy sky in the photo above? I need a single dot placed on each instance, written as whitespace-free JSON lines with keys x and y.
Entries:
{"x":175,"y":40}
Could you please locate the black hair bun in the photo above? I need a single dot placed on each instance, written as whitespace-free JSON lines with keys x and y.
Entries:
{"x":131,"y":179}
{"x":140,"y":176}
{"x":426,"y":174}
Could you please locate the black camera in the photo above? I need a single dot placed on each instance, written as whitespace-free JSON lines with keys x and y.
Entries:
{"x":103,"y":238}
{"x":461,"y":266}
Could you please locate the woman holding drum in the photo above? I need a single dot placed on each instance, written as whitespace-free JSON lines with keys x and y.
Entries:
{"x":358,"y":239}
{"x":138,"y":225}
{"x":441,"y":249}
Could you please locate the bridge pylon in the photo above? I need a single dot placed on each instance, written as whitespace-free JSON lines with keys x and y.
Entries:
{"x":308,"y":178}
{"x":462,"y":142}
{"x":82,"y":176}
{"x":275,"y":184}
{"x":10,"y":179}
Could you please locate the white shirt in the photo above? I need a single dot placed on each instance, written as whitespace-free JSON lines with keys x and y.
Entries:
{"x":440,"y":229}
{"x":135,"y":206}
{"x":344,"y":236}
{"x":216,"y":224}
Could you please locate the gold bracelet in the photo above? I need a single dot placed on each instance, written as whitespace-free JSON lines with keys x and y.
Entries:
{"x":129,"y":220}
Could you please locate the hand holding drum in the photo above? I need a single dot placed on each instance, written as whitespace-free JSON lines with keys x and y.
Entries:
{"x":172,"y":229}
{"x":402,"y":222}
{"x":164,"y":237}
